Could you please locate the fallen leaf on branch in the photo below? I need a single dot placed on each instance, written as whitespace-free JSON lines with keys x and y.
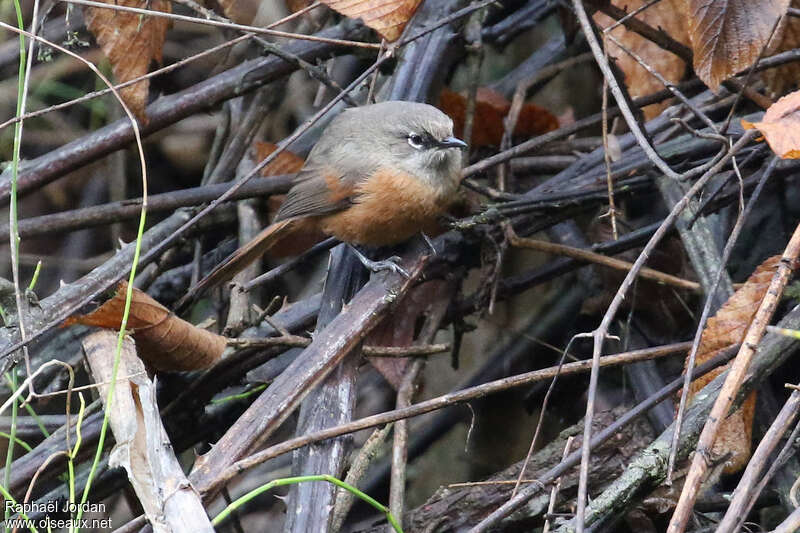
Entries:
{"x":491,"y":108}
{"x":665,"y":15}
{"x":387,"y":17}
{"x":728,"y":327}
{"x":130,"y":42}
{"x":163,"y":340}
{"x":781,"y":126}
{"x":728,"y":37}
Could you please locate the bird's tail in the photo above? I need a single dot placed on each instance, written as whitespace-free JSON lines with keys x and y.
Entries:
{"x":273,"y":236}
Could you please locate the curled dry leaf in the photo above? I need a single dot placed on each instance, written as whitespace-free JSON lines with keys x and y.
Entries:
{"x":728,"y":327}
{"x":163,"y":340}
{"x":491,"y":108}
{"x":665,"y":15}
{"x":781,"y":126}
{"x":728,"y":36}
{"x":130,"y":42}
{"x":387,"y":17}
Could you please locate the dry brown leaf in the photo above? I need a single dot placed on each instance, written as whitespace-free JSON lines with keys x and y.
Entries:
{"x":286,"y":163}
{"x":781,"y":126}
{"x":387,"y":17}
{"x":728,"y":327}
{"x":728,"y":36}
{"x":665,"y":15}
{"x":491,"y":108}
{"x":781,"y":79}
{"x":163,"y":340}
{"x":130,"y":42}
{"x":429,"y":298}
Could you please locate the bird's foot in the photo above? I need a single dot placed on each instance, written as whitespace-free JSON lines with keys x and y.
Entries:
{"x":390,"y":263}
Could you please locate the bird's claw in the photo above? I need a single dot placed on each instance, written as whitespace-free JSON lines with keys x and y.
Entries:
{"x":390,"y":263}
{"x":376,"y":266}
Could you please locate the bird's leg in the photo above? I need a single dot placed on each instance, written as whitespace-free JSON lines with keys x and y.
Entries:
{"x":429,"y":242}
{"x":377,"y":266}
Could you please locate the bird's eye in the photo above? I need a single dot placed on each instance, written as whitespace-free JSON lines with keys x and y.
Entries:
{"x":416,"y":141}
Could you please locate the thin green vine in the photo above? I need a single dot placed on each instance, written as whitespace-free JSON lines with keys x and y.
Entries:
{"x":302,"y":479}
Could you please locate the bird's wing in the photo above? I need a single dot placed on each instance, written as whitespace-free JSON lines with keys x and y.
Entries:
{"x":321,"y":190}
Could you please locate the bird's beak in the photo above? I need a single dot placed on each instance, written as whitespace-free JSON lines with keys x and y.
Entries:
{"x":452,"y":142}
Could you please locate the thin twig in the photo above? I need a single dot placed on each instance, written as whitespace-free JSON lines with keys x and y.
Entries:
{"x":601,"y":332}
{"x":285,"y":267}
{"x":491,"y":521}
{"x":540,"y":421}
{"x":134,"y":125}
{"x":657,"y":36}
{"x":551,"y":506}
{"x":397,"y":484}
{"x":593,"y":257}
{"x":633,"y":124}
{"x":612,"y":209}
{"x":370,"y":351}
{"x":447,"y":400}
{"x":791,"y":524}
{"x":726,"y":253}
{"x":219,"y":24}
{"x":666,"y":83}
{"x":734,"y":380}
{"x":629,"y":15}
{"x":744,"y":493}
{"x":157,"y":72}
{"x":785,"y":454}
{"x":358,"y":469}
{"x":763,"y":101}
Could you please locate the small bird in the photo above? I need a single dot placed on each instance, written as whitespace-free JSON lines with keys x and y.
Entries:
{"x":379,"y":175}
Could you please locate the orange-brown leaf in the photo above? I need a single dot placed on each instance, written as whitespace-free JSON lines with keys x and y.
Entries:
{"x":780,"y":79}
{"x":286,"y":163}
{"x":163,"y":340}
{"x":781,"y":126}
{"x":665,"y":15}
{"x":387,"y":17}
{"x":130,"y":42}
{"x":491,"y":108}
{"x":728,"y":36}
{"x":728,"y":327}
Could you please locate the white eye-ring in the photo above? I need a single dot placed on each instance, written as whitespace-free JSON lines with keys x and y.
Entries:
{"x":415,"y":141}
